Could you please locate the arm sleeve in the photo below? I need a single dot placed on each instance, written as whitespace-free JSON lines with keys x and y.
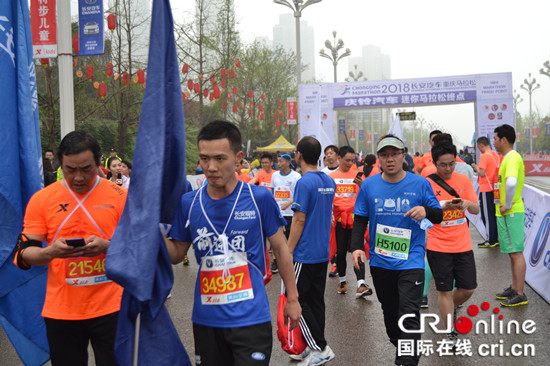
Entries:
{"x":434,"y":214}
{"x":358,"y":232}
{"x":511,"y":183}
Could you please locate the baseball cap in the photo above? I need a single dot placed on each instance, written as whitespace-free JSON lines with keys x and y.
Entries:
{"x":113,"y":149}
{"x":288,"y":158}
{"x":390,"y":141}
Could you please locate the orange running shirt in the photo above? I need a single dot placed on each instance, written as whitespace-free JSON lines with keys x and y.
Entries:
{"x":428,"y":170}
{"x":490,"y":161}
{"x":426,"y":160}
{"x":77,"y":288}
{"x":346,"y":190}
{"x":452,"y":235}
{"x":264,"y":178}
{"x":243,"y":177}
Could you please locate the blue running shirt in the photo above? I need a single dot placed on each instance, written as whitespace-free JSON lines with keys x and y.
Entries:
{"x":385,"y":203}
{"x":237,"y":299}
{"x":313,"y":196}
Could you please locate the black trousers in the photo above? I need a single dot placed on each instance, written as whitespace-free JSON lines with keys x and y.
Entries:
{"x":488,"y":215}
{"x":288,"y":225}
{"x":400,"y":293}
{"x":343,"y":238}
{"x":68,"y":340}
{"x":311,"y":281}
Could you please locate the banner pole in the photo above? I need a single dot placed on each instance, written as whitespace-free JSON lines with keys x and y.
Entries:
{"x":136,"y":341}
{"x":65,"y":60}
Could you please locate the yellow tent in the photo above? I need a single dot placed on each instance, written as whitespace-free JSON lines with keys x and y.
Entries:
{"x":281,"y":144}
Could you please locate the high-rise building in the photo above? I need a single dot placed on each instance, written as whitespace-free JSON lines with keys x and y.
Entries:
{"x":284,"y":34}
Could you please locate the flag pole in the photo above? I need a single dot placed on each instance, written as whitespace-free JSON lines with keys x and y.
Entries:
{"x":136,"y":341}
{"x":65,"y":60}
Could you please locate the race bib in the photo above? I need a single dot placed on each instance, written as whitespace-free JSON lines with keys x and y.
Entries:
{"x":282,"y":194}
{"x":265,"y":184}
{"x":392,"y":242}
{"x":496,"y":193}
{"x":453,"y":218}
{"x":217,"y":290}
{"x":345,"y":188}
{"x":85,"y":271}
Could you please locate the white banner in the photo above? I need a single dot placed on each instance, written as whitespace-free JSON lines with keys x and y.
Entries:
{"x":537,"y":248}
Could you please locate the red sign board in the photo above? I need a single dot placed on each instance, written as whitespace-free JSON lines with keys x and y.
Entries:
{"x":537,"y":167}
{"x":291,"y":110}
{"x":43,"y":28}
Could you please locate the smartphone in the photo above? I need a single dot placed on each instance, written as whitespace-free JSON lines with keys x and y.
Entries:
{"x":359,"y":175}
{"x":78,"y":242}
{"x":456,"y":200}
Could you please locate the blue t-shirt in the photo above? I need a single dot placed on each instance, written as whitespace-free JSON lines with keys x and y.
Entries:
{"x":313,"y":196}
{"x":385,"y":203}
{"x":244,"y":235}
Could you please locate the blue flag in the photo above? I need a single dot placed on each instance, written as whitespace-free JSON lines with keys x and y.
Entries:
{"x":137,"y":258}
{"x":21,"y":292}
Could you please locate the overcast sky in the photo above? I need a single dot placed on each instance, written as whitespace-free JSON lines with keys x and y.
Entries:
{"x":425,"y":38}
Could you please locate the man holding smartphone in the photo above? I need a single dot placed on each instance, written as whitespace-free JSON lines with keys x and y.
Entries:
{"x":348,"y":182}
{"x":449,"y":246}
{"x":77,"y":217}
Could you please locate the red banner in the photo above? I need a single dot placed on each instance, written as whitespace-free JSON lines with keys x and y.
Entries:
{"x":291,"y":110}
{"x":43,"y":28}
{"x":537,"y":168}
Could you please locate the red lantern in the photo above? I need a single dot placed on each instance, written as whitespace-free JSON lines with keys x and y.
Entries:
{"x":250,"y":112}
{"x":141,"y":76}
{"x":278,"y":123}
{"x":125,"y":79}
{"x":296,"y":140}
{"x":212,"y":80}
{"x":223,"y":73}
{"x":217,"y":92}
{"x":102,"y":90}
{"x":90,"y":72}
{"x":211,"y":97}
{"x":262,"y":115}
{"x":286,"y":125}
{"x":74,"y":62}
{"x":234,"y":109}
{"x":76,"y":44}
{"x":279,"y":102}
{"x":232,"y":74}
{"x":224,"y":105}
{"x":183,"y":97}
{"x":205,"y":93}
{"x":251,"y":105}
{"x":250,"y":94}
{"x":263,"y":96}
{"x":224,"y":83}
{"x":234,"y":90}
{"x":260,"y":108}
{"x":237,"y":62}
{"x":45,"y":61}
{"x":190,"y":84}
{"x":109,"y":69}
{"x":197,"y":88}
{"x":228,"y":96}
{"x":111,"y":22}
{"x":185,"y":68}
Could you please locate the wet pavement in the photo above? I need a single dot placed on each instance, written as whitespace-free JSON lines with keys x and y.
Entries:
{"x":355,"y":329}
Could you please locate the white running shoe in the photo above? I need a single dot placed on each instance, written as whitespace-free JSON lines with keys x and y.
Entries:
{"x":318,"y":358}
{"x":302,"y":355}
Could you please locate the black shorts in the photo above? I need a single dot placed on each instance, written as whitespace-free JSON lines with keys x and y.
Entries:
{"x":450,"y":267}
{"x":233,"y":346}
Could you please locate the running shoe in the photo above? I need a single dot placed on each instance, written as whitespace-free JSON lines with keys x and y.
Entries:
{"x":492,"y":245}
{"x":318,"y":358}
{"x":485,"y":244}
{"x":185,"y":261}
{"x":363,"y":291}
{"x":452,"y":338}
{"x":342,"y":287}
{"x":333,"y":272}
{"x":424,"y":304}
{"x":508,"y":292}
{"x":302,"y":356}
{"x":516,"y":300}
{"x":274,"y":267}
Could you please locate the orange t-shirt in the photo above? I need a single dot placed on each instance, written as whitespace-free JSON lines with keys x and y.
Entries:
{"x":264,"y":178}
{"x":490,"y":161}
{"x":243,"y":177}
{"x":77,"y":288}
{"x":346,"y":190}
{"x":375,"y":170}
{"x":452,"y":235}
{"x":416,"y":160}
{"x":428,"y":170}
{"x":426,"y":160}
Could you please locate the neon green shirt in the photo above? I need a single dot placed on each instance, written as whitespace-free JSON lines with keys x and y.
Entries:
{"x":511,"y":166}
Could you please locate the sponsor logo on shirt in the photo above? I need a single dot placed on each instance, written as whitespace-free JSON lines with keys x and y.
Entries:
{"x":245,"y":215}
{"x":206,"y":240}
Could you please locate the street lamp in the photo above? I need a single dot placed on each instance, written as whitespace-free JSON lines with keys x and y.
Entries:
{"x":355,"y":75}
{"x":529,"y":86}
{"x":547,"y":71}
{"x":297,"y":7}
{"x":517,"y":100}
{"x":334,"y":57}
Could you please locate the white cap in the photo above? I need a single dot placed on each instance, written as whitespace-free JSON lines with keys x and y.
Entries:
{"x":390,"y":141}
